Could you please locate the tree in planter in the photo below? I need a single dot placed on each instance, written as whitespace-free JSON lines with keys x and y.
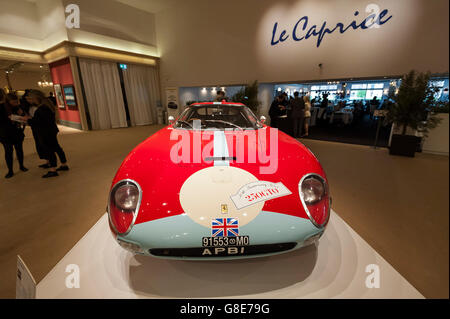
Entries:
{"x":412,"y":108}
{"x":248,"y":96}
{"x":413,"y":103}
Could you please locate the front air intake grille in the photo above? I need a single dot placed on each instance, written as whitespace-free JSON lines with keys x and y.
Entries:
{"x":199,"y":252}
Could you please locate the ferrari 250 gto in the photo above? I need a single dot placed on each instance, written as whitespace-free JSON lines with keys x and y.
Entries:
{"x":218,"y":183}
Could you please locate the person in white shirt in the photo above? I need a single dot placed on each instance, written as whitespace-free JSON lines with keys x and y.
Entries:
{"x":307,"y":114}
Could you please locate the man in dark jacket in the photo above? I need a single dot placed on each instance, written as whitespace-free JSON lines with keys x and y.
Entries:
{"x":277,"y":108}
{"x":297,"y":114}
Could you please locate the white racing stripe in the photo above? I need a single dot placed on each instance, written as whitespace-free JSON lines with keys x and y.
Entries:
{"x":220,"y":149}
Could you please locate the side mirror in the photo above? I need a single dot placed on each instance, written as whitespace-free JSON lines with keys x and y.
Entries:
{"x":262,"y":119}
{"x":171,"y":120}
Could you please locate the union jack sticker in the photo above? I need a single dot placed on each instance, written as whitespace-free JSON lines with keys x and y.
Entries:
{"x":224,"y":227}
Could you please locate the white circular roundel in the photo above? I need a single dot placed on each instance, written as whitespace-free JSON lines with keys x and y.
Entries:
{"x":205,"y":195}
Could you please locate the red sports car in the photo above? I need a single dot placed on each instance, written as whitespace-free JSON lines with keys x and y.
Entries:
{"x":218,"y":183}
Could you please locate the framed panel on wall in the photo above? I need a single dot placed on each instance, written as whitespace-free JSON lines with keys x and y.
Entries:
{"x":59,"y":96}
{"x":69,"y":96}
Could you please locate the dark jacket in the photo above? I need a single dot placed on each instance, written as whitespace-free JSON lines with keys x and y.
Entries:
{"x":10,"y":132}
{"x":275,"y":110}
{"x":43,"y":122}
{"x":297,"y":107}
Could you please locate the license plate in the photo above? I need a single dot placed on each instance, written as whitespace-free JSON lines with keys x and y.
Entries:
{"x":225,"y":241}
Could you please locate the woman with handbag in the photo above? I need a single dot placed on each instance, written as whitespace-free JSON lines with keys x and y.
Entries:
{"x":44,"y":122}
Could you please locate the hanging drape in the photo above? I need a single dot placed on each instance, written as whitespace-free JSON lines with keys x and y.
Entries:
{"x":104,"y":97}
{"x":142,"y":91}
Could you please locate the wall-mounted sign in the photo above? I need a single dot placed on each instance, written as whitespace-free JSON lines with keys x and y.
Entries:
{"x":303,"y":30}
{"x":59,"y":96}
{"x":123,"y":66}
{"x":69,"y":96}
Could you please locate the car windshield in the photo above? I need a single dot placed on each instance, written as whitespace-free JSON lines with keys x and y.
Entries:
{"x":217,"y":116}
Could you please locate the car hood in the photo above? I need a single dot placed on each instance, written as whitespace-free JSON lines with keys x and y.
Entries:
{"x":163,"y":163}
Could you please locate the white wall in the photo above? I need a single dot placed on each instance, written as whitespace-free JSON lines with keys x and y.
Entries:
{"x":39,"y":25}
{"x":116,"y":20}
{"x":203,"y":42}
{"x":31,"y":25}
{"x":19,"y":18}
{"x":265,"y":96}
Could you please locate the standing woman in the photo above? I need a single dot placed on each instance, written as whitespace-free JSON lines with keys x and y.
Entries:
{"x":28,"y":101}
{"x":307,"y":114}
{"x":44,"y":123}
{"x":11,"y":134}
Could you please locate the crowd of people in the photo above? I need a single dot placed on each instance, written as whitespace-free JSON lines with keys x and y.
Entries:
{"x":297,"y":110}
{"x":39,"y":112}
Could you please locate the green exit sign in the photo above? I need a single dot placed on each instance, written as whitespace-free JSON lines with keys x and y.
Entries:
{"x":123,"y":66}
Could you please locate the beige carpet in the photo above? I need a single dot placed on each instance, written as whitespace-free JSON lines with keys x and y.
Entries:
{"x":398,"y":205}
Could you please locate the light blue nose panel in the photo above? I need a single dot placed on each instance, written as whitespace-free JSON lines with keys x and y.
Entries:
{"x":181,"y":232}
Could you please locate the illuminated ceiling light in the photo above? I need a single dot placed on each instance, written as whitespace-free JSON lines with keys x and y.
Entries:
{"x":279,"y":89}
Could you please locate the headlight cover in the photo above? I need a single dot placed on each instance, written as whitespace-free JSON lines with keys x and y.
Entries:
{"x":126,"y":197}
{"x":315,"y":198}
{"x":313,"y":190}
{"x":123,"y":205}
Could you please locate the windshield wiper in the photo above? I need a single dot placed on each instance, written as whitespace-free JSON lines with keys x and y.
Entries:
{"x":225,"y":122}
{"x":181,"y":121}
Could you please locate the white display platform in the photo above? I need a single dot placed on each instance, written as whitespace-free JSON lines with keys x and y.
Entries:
{"x":336,"y":268}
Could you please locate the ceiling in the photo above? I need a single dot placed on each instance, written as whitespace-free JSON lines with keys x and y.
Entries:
{"x":152,"y":6}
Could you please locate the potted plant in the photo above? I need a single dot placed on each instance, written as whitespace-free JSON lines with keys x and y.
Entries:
{"x":248,"y":96}
{"x":412,"y":109}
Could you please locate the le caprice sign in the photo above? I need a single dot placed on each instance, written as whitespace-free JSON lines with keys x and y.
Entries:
{"x":302,"y":31}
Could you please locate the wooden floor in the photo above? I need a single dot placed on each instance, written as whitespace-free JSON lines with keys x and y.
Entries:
{"x":398,"y":205}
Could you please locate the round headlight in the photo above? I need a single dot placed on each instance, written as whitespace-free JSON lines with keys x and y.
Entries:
{"x":126,"y":197}
{"x":123,"y":206}
{"x":313,"y":190}
{"x":315,"y":198}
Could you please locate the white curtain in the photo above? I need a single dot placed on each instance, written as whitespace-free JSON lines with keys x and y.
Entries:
{"x":104,"y":97}
{"x":142,"y":90}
